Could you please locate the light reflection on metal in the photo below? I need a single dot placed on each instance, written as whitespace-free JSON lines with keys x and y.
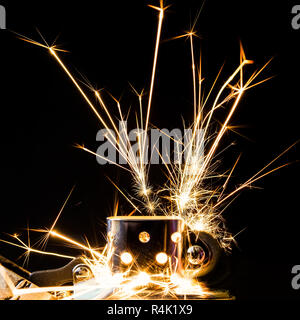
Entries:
{"x":126,"y":258}
{"x":144,"y":237}
{"x":176,"y":237}
{"x":196,"y":255}
{"x":161,"y":258}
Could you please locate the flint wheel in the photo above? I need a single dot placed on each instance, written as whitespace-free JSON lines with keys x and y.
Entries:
{"x":212,"y":255}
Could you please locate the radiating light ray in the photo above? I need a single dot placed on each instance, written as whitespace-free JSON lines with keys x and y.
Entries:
{"x":77,"y":244}
{"x":194,"y":74}
{"x":116,"y":208}
{"x":101,"y":157}
{"x":135,"y":207}
{"x":257,"y":175}
{"x":161,"y":10}
{"x":55,"y":55}
{"x":21,"y":292}
{"x":140,"y":96}
{"x":249,"y":182}
{"x":45,"y":238}
{"x":29,"y":250}
{"x":62,"y":208}
{"x":229,"y":176}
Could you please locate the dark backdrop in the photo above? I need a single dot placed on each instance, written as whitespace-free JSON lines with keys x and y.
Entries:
{"x":111,"y":43}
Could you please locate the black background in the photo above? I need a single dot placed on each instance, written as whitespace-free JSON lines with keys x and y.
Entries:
{"x":112,"y":43}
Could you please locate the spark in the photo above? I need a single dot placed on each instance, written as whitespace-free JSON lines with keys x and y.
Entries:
{"x":77,"y":244}
{"x":229,"y":176}
{"x":30,"y":249}
{"x":135,"y":207}
{"x":161,"y":10}
{"x":44,"y":241}
{"x":257,"y":176}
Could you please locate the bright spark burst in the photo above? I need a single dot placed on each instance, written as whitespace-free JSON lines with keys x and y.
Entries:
{"x":188,"y":195}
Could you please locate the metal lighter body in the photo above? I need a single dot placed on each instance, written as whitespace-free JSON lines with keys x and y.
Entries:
{"x":151,"y":244}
